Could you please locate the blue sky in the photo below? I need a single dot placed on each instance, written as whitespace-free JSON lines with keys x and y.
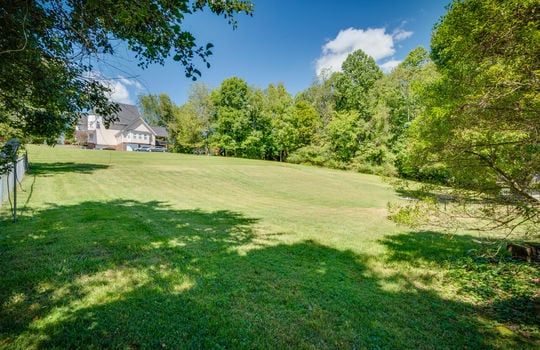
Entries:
{"x":288,"y":41}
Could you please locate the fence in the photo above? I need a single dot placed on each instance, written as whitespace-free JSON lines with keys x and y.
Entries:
{"x":6,"y":180}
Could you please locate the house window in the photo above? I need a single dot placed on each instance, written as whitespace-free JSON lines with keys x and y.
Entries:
{"x":97,"y":125}
{"x":146,"y":136}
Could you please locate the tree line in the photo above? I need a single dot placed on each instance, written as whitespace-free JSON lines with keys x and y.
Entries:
{"x":464,"y":117}
{"x":353,"y":119}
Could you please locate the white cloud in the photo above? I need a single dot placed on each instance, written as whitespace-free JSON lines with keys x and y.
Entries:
{"x":122,"y":89}
{"x":119,"y":92}
{"x":376,"y":43}
{"x":400,"y":34}
{"x":388,"y":66}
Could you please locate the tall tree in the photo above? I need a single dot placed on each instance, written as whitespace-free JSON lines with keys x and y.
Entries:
{"x":344,"y":135}
{"x":46,"y":50}
{"x":353,"y":84}
{"x":187,"y":129}
{"x":157,"y":110}
{"x":305,"y":124}
{"x":258,"y":143}
{"x":398,"y":100}
{"x":200,"y":98}
{"x":320,"y":95}
{"x":233,"y":121}
{"x":482,"y":124}
{"x":294,"y":124}
{"x":402,"y":87}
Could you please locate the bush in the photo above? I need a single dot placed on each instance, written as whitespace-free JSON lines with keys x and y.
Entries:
{"x":386,"y":169}
{"x":312,"y":155}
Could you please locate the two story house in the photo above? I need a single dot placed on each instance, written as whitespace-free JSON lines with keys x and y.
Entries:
{"x":129,"y":132}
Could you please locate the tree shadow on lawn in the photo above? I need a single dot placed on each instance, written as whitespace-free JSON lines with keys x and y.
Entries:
{"x":419,"y":248}
{"x":458,"y":255}
{"x":50,"y":169}
{"x":127,"y":274}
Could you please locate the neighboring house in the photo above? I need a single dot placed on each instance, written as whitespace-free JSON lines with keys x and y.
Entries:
{"x":126,"y":134}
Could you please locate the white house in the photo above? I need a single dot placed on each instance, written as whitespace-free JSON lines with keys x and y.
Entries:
{"x":127,"y":133}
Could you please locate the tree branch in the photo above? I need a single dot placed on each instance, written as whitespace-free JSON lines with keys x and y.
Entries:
{"x":24,"y":33}
{"x":508,"y":179}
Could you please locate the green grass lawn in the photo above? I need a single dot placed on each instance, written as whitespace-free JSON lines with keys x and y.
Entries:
{"x":154,"y":250}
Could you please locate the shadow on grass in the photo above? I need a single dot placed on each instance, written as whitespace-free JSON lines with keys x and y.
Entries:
{"x":418,"y":248}
{"x":127,"y":274}
{"x":506,"y":290}
{"x":49,"y":169}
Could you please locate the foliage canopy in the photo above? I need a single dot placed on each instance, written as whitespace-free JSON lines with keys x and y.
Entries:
{"x":481,"y":125}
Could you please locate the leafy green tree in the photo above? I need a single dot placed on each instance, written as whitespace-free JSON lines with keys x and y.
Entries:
{"x":200,"y":98}
{"x":397,"y":98}
{"x":347,"y":129}
{"x":186,"y":129}
{"x":295,"y":128}
{"x":481,"y":125}
{"x":47,"y":49}
{"x":233,"y":123}
{"x":157,"y":110}
{"x":259,"y":143}
{"x":305,"y":124}
{"x":320,"y":95}
{"x":279,"y":107}
{"x":344,"y":135}
{"x":353,"y":84}
{"x":401,"y":90}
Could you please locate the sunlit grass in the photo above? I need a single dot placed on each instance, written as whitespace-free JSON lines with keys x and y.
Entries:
{"x":138,"y":250}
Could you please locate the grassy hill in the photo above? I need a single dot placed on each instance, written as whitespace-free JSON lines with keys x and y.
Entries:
{"x":156,"y":250}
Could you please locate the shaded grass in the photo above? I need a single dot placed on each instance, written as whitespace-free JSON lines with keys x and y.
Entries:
{"x":505,"y":290}
{"x":179,"y":281}
{"x":161,"y":250}
{"x":50,"y":169}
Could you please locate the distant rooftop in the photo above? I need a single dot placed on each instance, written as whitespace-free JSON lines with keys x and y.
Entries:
{"x":127,"y":115}
{"x":160,"y":131}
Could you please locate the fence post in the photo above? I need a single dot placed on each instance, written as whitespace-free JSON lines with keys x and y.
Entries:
{"x":15,"y":164}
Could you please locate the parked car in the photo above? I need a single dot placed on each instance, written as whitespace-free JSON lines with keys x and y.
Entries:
{"x":143,"y":149}
{"x":158,"y":149}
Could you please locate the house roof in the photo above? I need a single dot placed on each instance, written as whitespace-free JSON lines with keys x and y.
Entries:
{"x":160,"y":131}
{"x":127,"y":115}
{"x":134,"y":122}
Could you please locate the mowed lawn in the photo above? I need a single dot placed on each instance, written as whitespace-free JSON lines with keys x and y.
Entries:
{"x":136,"y":250}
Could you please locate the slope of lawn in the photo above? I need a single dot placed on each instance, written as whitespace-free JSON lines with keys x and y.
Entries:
{"x":148,"y":250}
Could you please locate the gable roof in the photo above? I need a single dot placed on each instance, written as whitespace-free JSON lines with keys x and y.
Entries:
{"x":134,"y":122}
{"x":126,"y":116}
{"x":129,"y":115}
